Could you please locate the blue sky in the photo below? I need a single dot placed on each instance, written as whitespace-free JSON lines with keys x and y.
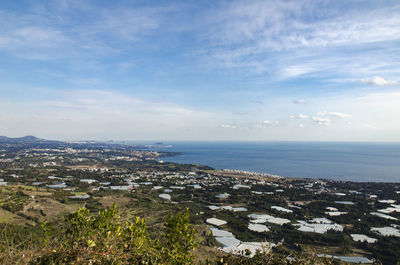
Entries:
{"x":201,"y":70}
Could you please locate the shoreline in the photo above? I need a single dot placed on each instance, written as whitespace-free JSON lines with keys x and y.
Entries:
{"x":346,"y":164}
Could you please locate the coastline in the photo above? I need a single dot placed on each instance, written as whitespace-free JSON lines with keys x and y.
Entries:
{"x":356,"y":162}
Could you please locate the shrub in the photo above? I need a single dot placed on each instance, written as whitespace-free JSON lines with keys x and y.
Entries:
{"x":105,"y":239}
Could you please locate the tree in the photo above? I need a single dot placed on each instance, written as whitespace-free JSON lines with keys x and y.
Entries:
{"x":179,"y":238}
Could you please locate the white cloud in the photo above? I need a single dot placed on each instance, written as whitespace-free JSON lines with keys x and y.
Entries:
{"x":379,"y":81}
{"x":322,"y":121}
{"x":227,"y":126}
{"x":300,"y":116}
{"x":268,"y":122}
{"x":299,"y":101}
{"x":334,"y":114}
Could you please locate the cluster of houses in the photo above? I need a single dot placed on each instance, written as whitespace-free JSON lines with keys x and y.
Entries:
{"x":263,"y":222}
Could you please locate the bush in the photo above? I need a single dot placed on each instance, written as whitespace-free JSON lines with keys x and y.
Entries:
{"x":105,"y":239}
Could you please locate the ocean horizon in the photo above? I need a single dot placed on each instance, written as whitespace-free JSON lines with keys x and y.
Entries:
{"x":345,"y":161}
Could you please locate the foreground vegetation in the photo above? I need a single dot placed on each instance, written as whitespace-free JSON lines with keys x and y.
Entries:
{"x":104,"y":238}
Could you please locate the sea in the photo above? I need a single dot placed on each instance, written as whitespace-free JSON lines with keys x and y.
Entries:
{"x":358,"y":162}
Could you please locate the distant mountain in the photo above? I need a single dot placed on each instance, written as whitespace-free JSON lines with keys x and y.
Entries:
{"x":29,"y":139}
{"x":36,"y":142}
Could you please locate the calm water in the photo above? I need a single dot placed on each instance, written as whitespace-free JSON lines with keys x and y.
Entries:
{"x":377,"y":162}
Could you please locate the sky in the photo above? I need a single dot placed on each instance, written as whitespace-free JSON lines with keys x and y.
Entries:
{"x":250,"y":70}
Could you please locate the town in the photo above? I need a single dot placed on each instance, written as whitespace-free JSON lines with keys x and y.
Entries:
{"x":234,"y":212}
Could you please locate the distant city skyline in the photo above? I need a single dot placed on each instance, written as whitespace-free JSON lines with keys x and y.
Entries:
{"x":202,"y":70}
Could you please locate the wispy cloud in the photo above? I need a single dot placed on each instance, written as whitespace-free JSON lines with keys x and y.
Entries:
{"x":52,"y":33}
{"x":296,"y":70}
{"x":101,"y":114}
{"x":110,"y":102}
{"x":281,"y":25}
{"x":286,"y":38}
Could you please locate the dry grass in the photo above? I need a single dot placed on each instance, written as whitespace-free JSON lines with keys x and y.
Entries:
{"x":48,"y":208}
{"x":108,"y":201}
{"x":8,"y":217}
